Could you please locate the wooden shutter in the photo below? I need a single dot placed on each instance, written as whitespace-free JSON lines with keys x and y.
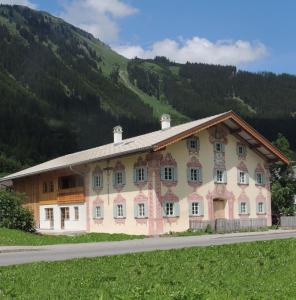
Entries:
{"x":239,"y":208}
{"x":145,"y":173}
{"x":224,"y":176}
{"x":123,"y":177}
{"x":201,"y":205}
{"x":124,"y":209}
{"x":200,"y":175}
{"x":163,"y":208}
{"x":175,"y":173}
{"x":135,"y":175}
{"x":114,"y":210}
{"x":189,"y":174}
{"x":102,"y":210}
{"x":190,"y":212}
{"x":94,"y":212}
{"x":247,"y":178}
{"x":162,"y":173}
{"x":136,"y":210}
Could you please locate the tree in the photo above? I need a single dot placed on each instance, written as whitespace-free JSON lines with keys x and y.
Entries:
{"x":283,"y":181}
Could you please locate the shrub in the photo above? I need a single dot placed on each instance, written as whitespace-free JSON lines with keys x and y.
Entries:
{"x":12,"y":214}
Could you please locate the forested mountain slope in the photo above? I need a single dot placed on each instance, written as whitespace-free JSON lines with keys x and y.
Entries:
{"x":62,"y":90}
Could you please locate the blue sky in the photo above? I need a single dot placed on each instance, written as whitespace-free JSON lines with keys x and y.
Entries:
{"x":255,"y":35}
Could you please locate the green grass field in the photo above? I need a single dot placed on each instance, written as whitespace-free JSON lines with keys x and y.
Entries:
{"x":260,"y":270}
{"x":10,"y":237}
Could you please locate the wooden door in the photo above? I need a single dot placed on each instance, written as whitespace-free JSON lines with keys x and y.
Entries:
{"x":219,"y":209}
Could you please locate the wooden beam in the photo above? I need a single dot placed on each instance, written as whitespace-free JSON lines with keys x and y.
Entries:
{"x":236,"y":130}
{"x":252,"y":146}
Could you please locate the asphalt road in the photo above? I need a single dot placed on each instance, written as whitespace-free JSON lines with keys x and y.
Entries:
{"x":12,"y":255}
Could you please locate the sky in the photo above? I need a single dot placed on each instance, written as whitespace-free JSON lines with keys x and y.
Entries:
{"x":253,"y":35}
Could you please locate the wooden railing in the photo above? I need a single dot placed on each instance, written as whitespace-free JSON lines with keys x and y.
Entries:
{"x":71,"y":195}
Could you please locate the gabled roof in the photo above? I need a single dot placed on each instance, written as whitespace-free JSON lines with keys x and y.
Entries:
{"x":158,"y":140}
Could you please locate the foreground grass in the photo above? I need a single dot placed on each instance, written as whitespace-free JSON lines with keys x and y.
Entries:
{"x":10,"y":237}
{"x":260,"y":270}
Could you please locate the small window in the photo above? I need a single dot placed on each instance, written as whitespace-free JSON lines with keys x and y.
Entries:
{"x":51,"y":186}
{"x":140,"y":174}
{"x":241,"y":149}
{"x":220,"y":176}
{"x":141,"y":210}
{"x":243,"y":177}
{"x":76,"y":213}
{"x":98,"y":212}
{"x":243,"y":207}
{"x":118,"y":178}
{"x":193,"y":144}
{"x":259,"y":178}
{"x":119,"y":211}
{"x":169,"y":209}
{"x":45,"y":187}
{"x":97,"y":181}
{"x":195,"y":208}
{"x":67,"y":213}
{"x":261,"y":208}
{"x":168,"y":173}
{"x":49,"y":214}
{"x":219,"y":147}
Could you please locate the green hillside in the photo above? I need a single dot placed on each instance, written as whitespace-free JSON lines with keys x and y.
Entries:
{"x":62,"y":90}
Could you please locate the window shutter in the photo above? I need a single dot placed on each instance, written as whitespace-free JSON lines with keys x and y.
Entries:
{"x":145,"y":173}
{"x":257,"y":207}
{"x":215,"y":175}
{"x":190,"y":209}
{"x":263,"y":179}
{"x":247,"y":178}
{"x":102,"y":211}
{"x":163,"y":209}
{"x":222,"y":147}
{"x":114,"y":210}
{"x":146,"y":209}
{"x":175,"y":173}
{"x":238,"y":177}
{"x":94,"y":212}
{"x":224,"y":176}
{"x":114,"y":176}
{"x":239,"y":208}
{"x":136,"y":210}
{"x":200,"y":175}
{"x":93,"y":180}
{"x":247,"y":208}
{"x":162,"y":173}
{"x":189,"y":174}
{"x":176,"y":209}
{"x":124,"y":210}
{"x":135,"y":175}
{"x":123,"y":177}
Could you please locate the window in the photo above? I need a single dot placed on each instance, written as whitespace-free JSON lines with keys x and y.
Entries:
{"x":195,"y":208}
{"x":259,"y":178}
{"x":169,"y":209}
{"x":97,"y":181}
{"x":140,"y":174}
{"x":49,"y":214}
{"x":168,"y":173}
{"x":243,"y":208}
{"x":195,"y":174}
{"x":220,"y":176}
{"x":242,"y":177}
{"x":98,"y":212}
{"x":51,"y":186}
{"x":141,"y":210}
{"x":119,"y":178}
{"x":219,"y":147}
{"x":76,"y":213}
{"x":241,"y":149}
{"x":45,"y":188}
{"x":261,"y":208}
{"x":193,"y":144}
{"x":119,"y":211}
{"x":67,"y":182}
{"x":66,"y":213}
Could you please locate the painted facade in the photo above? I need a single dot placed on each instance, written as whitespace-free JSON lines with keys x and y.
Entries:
{"x":152,"y":193}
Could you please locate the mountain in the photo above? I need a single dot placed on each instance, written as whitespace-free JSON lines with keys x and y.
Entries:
{"x":62,"y":90}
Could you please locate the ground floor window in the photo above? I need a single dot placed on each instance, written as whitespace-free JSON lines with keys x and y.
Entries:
{"x":76,"y":213}
{"x":49,"y":214}
{"x":141,"y":210}
{"x":243,"y":208}
{"x":195,"y":208}
{"x":169,"y":209}
{"x":98,"y":212}
{"x":261,"y":208}
{"x":119,"y":210}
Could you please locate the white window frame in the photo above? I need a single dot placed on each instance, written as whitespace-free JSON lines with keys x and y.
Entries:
{"x":220,"y":179}
{"x":243,"y":177}
{"x":195,"y":208}
{"x":119,"y":175}
{"x":76,"y":213}
{"x":141,"y":210}
{"x":169,"y":173}
{"x":98,"y":210}
{"x":97,"y":181}
{"x":220,"y":150}
{"x":169,"y":209}
{"x":261,"y":207}
{"x":262,"y":178}
{"x":48,"y":216}
{"x":243,"y":208}
{"x":195,"y":177}
{"x":140,"y":174}
{"x":119,"y":210}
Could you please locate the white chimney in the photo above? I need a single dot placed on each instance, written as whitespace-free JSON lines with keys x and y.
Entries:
{"x":165,"y":121}
{"x":117,"y":131}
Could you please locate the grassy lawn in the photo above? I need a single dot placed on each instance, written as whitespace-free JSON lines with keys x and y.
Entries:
{"x":260,"y":270}
{"x":10,"y":237}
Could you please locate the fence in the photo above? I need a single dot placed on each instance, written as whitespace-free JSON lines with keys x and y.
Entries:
{"x":224,"y":225}
{"x":288,"y":221}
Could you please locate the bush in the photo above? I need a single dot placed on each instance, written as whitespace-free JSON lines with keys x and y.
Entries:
{"x":12,"y":214}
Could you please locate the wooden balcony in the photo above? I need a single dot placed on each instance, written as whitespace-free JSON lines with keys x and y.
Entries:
{"x":71,"y":195}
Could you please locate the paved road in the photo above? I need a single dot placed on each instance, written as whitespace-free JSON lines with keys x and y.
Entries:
{"x":26,"y":254}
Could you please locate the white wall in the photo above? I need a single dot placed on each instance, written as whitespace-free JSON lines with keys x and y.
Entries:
{"x":70,"y":225}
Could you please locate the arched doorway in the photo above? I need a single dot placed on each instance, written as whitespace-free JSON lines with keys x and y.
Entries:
{"x":219,"y":208}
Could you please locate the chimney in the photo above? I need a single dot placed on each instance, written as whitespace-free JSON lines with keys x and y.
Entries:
{"x":117,"y":131}
{"x":165,"y":121}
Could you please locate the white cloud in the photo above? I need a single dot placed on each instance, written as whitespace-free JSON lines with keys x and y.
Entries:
{"x":19,"y":2}
{"x":199,"y":50}
{"x":98,"y":17}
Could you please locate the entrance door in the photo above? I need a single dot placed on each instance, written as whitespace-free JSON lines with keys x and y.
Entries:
{"x":219,"y":209}
{"x":64,"y":216}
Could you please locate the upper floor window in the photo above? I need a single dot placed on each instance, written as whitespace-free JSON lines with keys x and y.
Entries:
{"x":241,"y":150}
{"x":220,"y":176}
{"x":193,"y":144}
{"x":48,"y":187}
{"x":98,"y":212}
{"x":194,"y":174}
{"x":140,"y":174}
{"x":260,"y":180}
{"x":219,"y":147}
{"x":243,"y":177}
{"x":243,"y":208}
{"x":119,"y":178}
{"x":71,"y":181}
{"x":97,"y":180}
{"x":169,"y":173}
